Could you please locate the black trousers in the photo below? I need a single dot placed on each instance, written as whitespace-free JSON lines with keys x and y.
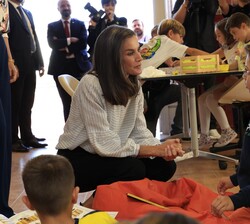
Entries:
{"x":5,"y":132}
{"x":157,"y":100}
{"x":23,"y":95}
{"x":92,"y":170}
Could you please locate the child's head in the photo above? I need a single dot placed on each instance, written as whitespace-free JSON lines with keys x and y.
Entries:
{"x":164,"y":218}
{"x":49,"y":184}
{"x":154,"y":31}
{"x":222,"y":36}
{"x":172,"y":29}
{"x":246,"y":75}
{"x":238,"y":24}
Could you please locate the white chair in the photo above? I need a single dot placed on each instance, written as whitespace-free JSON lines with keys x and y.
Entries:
{"x":69,"y":83}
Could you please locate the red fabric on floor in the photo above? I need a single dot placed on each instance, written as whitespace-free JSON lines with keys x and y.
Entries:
{"x":183,"y":195}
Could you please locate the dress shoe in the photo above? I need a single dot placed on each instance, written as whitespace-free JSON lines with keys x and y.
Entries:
{"x":40,"y":139}
{"x":34,"y":144}
{"x":19,"y":147}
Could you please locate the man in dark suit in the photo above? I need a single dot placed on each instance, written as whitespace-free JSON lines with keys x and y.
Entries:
{"x":68,"y":40}
{"x":26,"y":52}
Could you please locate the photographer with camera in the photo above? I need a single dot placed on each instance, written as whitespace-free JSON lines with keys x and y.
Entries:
{"x":198,"y":16}
{"x":99,"y":22}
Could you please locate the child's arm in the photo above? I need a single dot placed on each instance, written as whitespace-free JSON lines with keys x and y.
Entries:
{"x":224,"y":184}
{"x":232,"y":202}
{"x":193,"y":51}
{"x":220,"y":52}
{"x":220,"y":205}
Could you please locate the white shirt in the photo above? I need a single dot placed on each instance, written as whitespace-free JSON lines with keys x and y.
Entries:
{"x":101,"y":128}
{"x":159,"y":49}
{"x":230,"y":53}
{"x":144,"y":39}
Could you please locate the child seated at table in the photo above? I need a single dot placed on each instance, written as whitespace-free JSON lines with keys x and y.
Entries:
{"x":208,"y":102}
{"x":168,"y":43}
{"x":49,"y":183}
{"x":242,"y":177}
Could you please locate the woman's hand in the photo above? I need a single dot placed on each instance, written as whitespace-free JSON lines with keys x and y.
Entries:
{"x":172,"y":148}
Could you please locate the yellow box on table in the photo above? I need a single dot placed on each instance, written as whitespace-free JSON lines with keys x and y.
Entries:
{"x":200,"y":63}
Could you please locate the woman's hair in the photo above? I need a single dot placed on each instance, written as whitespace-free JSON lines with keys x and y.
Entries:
{"x":171,"y":24}
{"x":49,"y":182}
{"x":221,"y":27}
{"x":117,"y":87}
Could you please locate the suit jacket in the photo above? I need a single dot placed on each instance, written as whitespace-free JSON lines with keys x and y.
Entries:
{"x":57,"y":40}
{"x":19,"y":40}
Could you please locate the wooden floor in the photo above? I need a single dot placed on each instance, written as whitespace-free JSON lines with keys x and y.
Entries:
{"x":48,"y":122}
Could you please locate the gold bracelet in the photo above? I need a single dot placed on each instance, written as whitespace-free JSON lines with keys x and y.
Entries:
{"x":11,"y":60}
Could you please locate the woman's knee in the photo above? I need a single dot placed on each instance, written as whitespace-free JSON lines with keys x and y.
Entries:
{"x":136,"y":170}
{"x":160,"y":169}
{"x":170,"y":171}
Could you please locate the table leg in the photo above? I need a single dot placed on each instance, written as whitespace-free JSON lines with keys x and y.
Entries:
{"x":193,"y":122}
{"x":184,"y":97}
{"x":194,"y":132}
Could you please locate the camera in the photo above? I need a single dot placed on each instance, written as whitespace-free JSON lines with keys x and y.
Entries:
{"x":94,"y":14}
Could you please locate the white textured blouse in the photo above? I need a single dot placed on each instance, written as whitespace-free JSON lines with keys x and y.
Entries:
{"x":102,"y":128}
{"x":231,"y":53}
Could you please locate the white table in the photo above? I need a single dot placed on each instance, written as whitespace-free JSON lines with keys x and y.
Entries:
{"x":188,"y":83}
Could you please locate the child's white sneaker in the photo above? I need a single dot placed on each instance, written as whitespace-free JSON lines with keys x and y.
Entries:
{"x":205,"y":141}
{"x":214,"y":134}
{"x":227,"y":135}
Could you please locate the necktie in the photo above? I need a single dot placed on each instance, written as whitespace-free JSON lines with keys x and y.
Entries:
{"x":32,"y":44}
{"x":66,"y":28}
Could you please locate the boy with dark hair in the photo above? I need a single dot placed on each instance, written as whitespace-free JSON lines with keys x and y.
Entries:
{"x":49,"y":183}
{"x":238,"y":25}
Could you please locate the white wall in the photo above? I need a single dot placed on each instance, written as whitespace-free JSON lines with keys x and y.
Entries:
{"x":46,"y":11}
